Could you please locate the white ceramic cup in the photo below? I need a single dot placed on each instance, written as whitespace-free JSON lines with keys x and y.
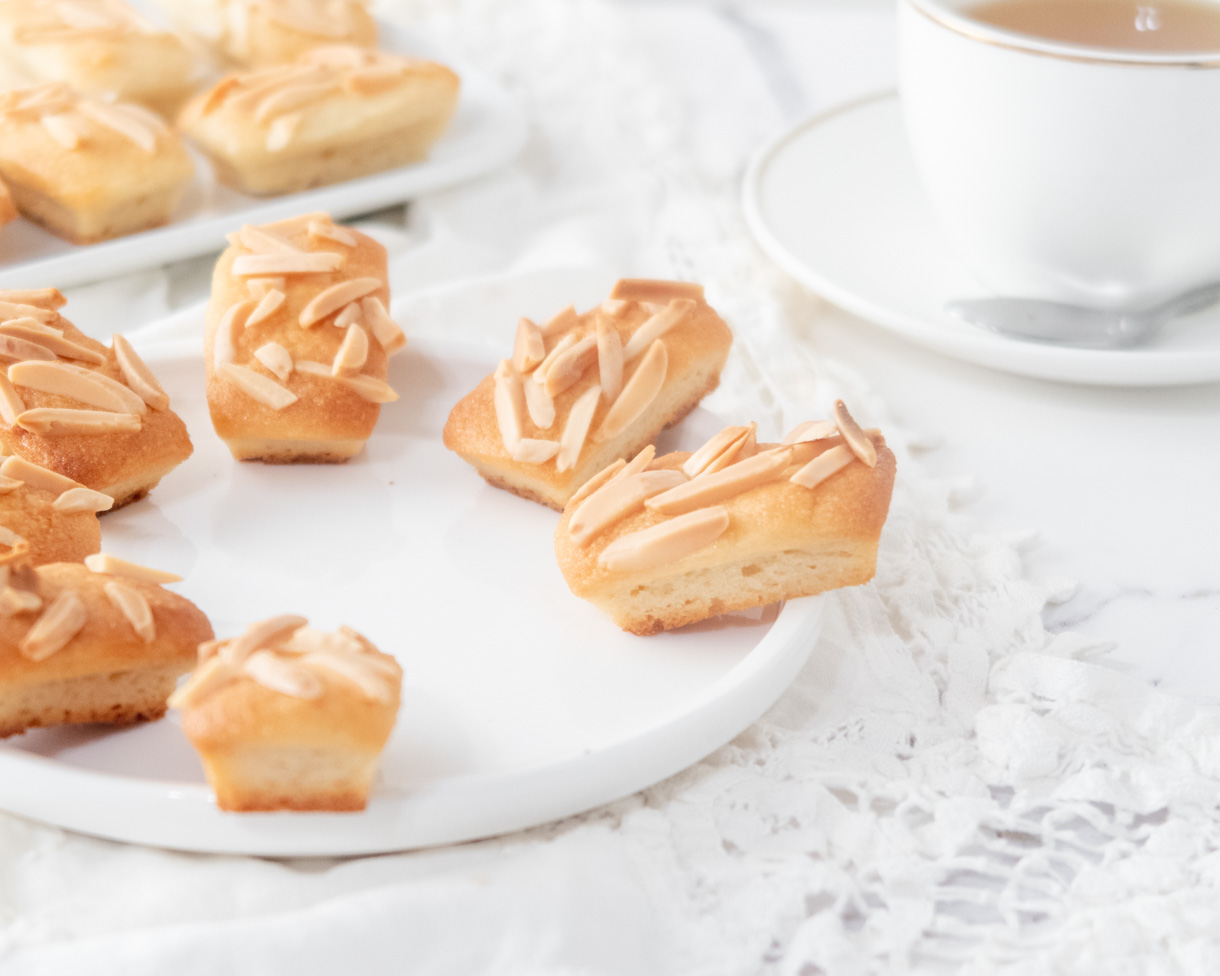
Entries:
{"x":1064,"y":172}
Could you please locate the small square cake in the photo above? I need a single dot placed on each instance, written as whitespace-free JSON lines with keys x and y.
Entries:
{"x":582,"y":391}
{"x":661,"y":542}
{"x":286,"y":717}
{"x":89,"y":170}
{"x":298,"y":340}
{"x":336,"y":113}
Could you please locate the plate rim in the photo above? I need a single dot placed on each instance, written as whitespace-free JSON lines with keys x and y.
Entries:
{"x":1012,"y":356}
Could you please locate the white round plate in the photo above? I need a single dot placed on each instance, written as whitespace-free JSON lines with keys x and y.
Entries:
{"x":837,"y":204}
{"x":521,"y":703}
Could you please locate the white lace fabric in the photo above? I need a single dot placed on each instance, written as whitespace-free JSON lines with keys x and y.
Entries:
{"x":946,"y":787}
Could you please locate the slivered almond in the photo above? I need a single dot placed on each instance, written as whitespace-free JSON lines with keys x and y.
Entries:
{"x":11,"y":307}
{"x":14,"y":601}
{"x":638,"y":392}
{"x":30,"y":326}
{"x":603,"y":477}
{"x":811,"y":430}
{"x":258,"y":85}
{"x":640,"y":462}
{"x":357,"y":669}
{"x":60,"y":622}
{"x":567,"y":368}
{"x":260,"y":241}
{"x":36,"y":476}
{"x":219,"y":93}
{"x":22,"y":350}
{"x":723,"y":445}
{"x":8,"y":537}
{"x":285,"y":677}
{"x":281,"y":130}
{"x":349,"y":315}
{"x":258,"y":387}
{"x":576,"y":430}
{"x":613,"y":307}
{"x":211,"y":675}
{"x":266,"y":307}
{"x":667,"y":542}
{"x":132,"y":605}
{"x":372,"y":81}
{"x":860,"y":443}
{"x":76,"y":383}
{"x":259,"y":287}
{"x":656,"y":326}
{"x":8,"y":485}
{"x":530,"y":450}
{"x":138,"y":376}
{"x":654,"y":290}
{"x":617,"y":499}
{"x":370,"y":388}
{"x":276,"y":358}
{"x":561,"y":322}
{"x":134,"y":126}
{"x":385,"y":329}
{"x":103,"y":562}
{"x":823,"y":466}
{"x":51,"y":339}
{"x":66,"y":128}
{"x":563,"y":345}
{"x":332,"y":232}
{"x":708,"y":489}
{"x":11,"y":404}
{"x":290,"y":98}
{"x":529,"y":348}
{"x":264,"y":633}
{"x":540,"y":406}
{"x":224,"y":349}
{"x":83,"y":500}
{"x":56,"y":420}
{"x":44,"y":299}
{"x":609,"y":359}
{"x":321,"y":370}
{"x":309,"y":640}
{"x":509,"y":403}
{"x":353,"y":352}
{"x":335,"y":297}
{"x":285,"y":264}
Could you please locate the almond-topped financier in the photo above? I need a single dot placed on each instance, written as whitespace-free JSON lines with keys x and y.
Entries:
{"x":55,"y":516}
{"x":95,"y":415}
{"x":258,"y":33}
{"x":297,"y":341}
{"x":99,"y":47}
{"x":659,"y":542}
{"x":334,"y":114}
{"x":101,"y":641}
{"x":86,"y":169}
{"x":286,"y":717}
{"x":581,"y":391}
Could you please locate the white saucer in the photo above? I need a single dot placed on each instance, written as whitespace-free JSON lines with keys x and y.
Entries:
{"x":836,"y":203}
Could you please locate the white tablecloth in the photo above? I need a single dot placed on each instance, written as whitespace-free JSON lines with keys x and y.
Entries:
{"x":947,"y":786}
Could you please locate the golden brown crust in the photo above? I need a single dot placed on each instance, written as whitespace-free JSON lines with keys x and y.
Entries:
{"x":329,"y":421}
{"x":697,"y":348}
{"x":54,"y":536}
{"x":8,"y":209}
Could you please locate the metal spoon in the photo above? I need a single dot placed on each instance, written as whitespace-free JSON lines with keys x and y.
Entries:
{"x":1073,"y":325}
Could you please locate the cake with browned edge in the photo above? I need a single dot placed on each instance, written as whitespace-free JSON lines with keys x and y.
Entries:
{"x":55,"y":516}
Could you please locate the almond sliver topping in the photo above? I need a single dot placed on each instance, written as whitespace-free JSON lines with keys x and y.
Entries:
{"x":667,"y":542}
{"x":77,"y":383}
{"x":540,"y":406}
{"x":36,"y":476}
{"x":356,"y":669}
{"x":353,"y":352}
{"x":823,"y":466}
{"x":51,"y":339}
{"x":30,"y":326}
{"x":609,"y":360}
{"x":138,"y":376}
{"x":129,"y":124}
{"x":576,"y":430}
{"x":603,"y":477}
{"x":727,"y":442}
{"x":23,"y":350}
{"x":385,"y":329}
{"x":266,"y":307}
{"x":350,"y":315}
{"x":264,"y":633}
{"x":66,"y":128}
{"x":568,"y":367}
{"x":509,"y":402}
{"x":14,"y":601}
{"x":260,"y":241}
{"x":60,"y":622}
{"x":132,"y":605}
{"x":211,"y":675}
{"x":8,"y":485}
{"x":285,"y":677}
{"x":292,"y":97}
{"x":8,"y":537}
{"x":709,"y":489}
{"x":617,"y":499}
{"x":640,"y":462}
{"x":638,"y":393}
{"x":530,"y":450}
{"x":370,"y":388}
{"x":45,"y":300}
{"x":276,"y":358}
{"x":332,"y":232}
{"x":811,"y":430}
{"x":563,"y":345}
{"x":656,"y":326}
{"x":285,"y":264}
{"x":653,"y":290}
{"x":83,"y":500}
{"x":335,"y":297}
{"x":12,"y":307}
{"x":56,"y":420}
{"x":103,"y":562}
{"x":224,"y":349}
{"x":529,"y":348}
{"x":281,"y":131}
{"x":258,"y":287}
{"x":258,"y":387}
{"x":561,"y":322}
{"x":11,"y":404}
{"x":860,"y":443}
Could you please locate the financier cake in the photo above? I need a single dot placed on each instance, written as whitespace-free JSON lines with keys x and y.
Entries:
{"x":581,"y":391}
{"x":55,"y":516}
{"x":286,"y":717}
{"x":101,"y":641}
{"x":297,"y":341}
{"x":660,"y":542}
